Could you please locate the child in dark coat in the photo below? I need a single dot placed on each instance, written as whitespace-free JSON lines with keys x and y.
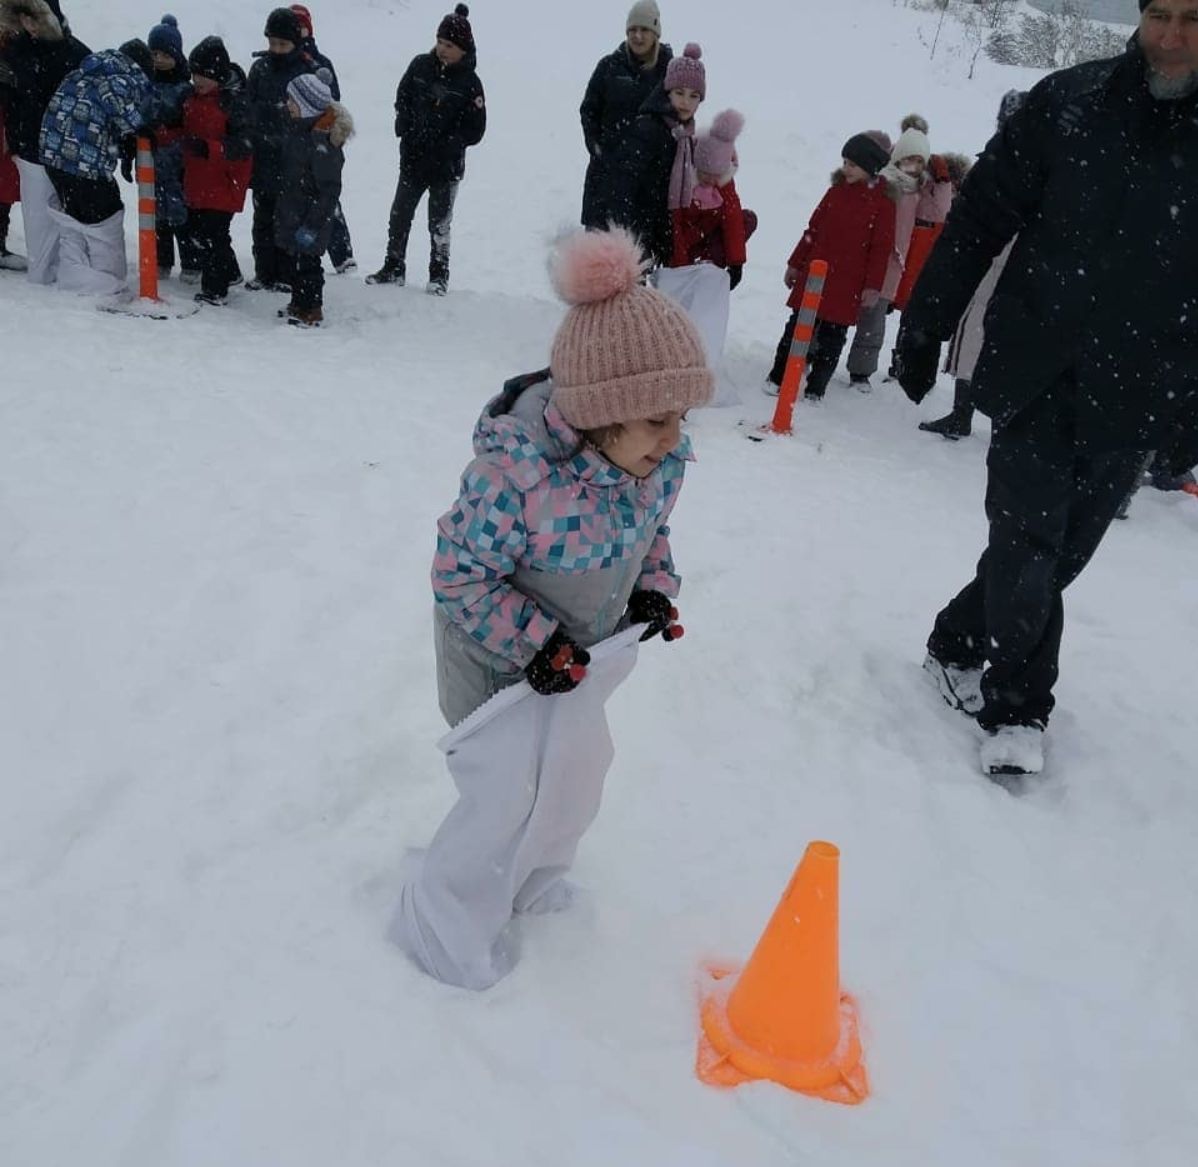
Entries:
{"x":852,"y":229}
{"x":312,"y":162}
{"x":169,"y":88}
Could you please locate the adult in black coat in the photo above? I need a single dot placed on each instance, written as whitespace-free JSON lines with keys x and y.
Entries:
{"x":640,"y":179}
{"x":440,"y":111}
{"x":266,"y":98}
{"x":1090,"y":350}
{"x":39,"y":51}
{"x":615,"y":93}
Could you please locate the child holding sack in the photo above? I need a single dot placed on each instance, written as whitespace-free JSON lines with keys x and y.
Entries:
{"x":559,"y":538}
{"x":852,"y":229}
{"x":313,"y":159}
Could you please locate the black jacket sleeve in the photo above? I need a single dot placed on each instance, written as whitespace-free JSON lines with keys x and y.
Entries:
{"x":591,"y":110}
{"x":1001,"y":193}
{"x":327,"y":163}
{"x":403,"y":104}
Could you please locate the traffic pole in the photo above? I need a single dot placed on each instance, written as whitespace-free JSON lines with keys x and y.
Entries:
{"x":147,"y":222}
{"x":796,"y":364}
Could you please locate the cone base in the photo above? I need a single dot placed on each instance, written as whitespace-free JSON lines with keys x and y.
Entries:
{"x":724,"y":1059}
{"x":151,"y":309}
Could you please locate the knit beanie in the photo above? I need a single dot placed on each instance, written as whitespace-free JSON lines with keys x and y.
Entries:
{"x":311,"y":94}
{"x":305,"y":19}
{"x":644,"y":14}
{"x":624,"y":351}
{"x":139,"y":53}
{"x":715,"y":149}
{"x":210,"y":59}
{"x":283,"y":24}
{"x":866,"y":152}
{"x":456,"y":29}
{"x":687,"y":72}
{"x":165,"y":38}
{"x":911,"y":142}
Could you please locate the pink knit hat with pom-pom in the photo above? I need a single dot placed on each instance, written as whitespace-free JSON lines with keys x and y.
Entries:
{"x":624,"y":352}
{"x":715,"y":149}
{"x":687,"y":71}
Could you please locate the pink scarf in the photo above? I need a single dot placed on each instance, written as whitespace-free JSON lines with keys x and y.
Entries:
{"x":683,"y":178}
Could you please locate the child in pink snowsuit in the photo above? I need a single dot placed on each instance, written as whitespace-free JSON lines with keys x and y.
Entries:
{"x":558,"y":539}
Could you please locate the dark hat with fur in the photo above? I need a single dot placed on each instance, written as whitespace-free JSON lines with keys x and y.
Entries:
{"x":864,"y":150}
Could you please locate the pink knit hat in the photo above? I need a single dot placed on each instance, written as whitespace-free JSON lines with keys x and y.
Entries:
{"x":624,"y":352}
{"x":687,"y":71}
{"x":715,"y":149}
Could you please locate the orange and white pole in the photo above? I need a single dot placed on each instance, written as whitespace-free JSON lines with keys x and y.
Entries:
{"x":147,"y":222}
{"x":796,"y":364}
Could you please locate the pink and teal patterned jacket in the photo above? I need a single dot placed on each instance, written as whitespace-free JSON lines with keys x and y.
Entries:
{"x":547,"y":532}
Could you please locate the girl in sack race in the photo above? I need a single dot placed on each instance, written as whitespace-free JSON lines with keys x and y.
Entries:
{"x":710,"y":231}
{"x":558,"y":540}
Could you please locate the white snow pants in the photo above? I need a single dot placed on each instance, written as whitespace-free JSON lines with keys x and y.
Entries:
{"x":91,"y":256}
{"x":41,"y":231}
{"x":529,"y":772}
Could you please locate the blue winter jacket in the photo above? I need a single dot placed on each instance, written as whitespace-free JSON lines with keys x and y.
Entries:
{"x":93,"y":109}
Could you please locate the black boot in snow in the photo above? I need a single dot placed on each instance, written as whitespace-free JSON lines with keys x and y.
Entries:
{"x":958,"y":423}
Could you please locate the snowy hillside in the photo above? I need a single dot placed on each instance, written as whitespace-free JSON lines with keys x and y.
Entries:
{"x":218,"y":710}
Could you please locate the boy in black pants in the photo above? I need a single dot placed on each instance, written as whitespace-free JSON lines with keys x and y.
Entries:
{"x":312,"y":162}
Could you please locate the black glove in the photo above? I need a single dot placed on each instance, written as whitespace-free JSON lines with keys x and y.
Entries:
{"x":735,"y":272}
{"x":658,"y":612}
{"x":916,"y":361}
{"x":559,"y":666}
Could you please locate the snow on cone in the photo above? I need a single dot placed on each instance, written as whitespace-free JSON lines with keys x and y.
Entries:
{"x":783,"y":1017}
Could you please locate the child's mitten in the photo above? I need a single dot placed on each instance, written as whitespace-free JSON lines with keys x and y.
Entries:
{"x":558,"y":667}
{"x":656,"y":610}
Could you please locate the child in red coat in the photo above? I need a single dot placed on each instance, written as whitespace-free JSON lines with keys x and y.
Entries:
{"x":852,"y":229}
{"x":714,"y":227}
{"x":217,"y":164}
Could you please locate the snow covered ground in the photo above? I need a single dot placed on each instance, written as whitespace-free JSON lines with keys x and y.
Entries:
{"x":217,"y":709}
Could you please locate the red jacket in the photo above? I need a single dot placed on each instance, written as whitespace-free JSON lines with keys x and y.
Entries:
{"x":215,"y":182}
{"x":853,"y":230}
{"x":711,"y":236}
{"x":10,"y":180}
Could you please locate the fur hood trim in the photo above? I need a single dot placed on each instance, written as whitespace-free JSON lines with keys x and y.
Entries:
{"x":337,"y":123}
{"x":48,"y":26}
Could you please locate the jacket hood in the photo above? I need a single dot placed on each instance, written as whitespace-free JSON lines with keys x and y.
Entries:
{"x":111,"y":63}
{"x":526,"y":432}
{"x":337,"y":123}
{"x":49,"y":27}
{"x":658,"y":102}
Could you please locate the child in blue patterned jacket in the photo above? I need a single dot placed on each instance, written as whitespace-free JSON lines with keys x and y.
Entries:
{"x":559,"y":537}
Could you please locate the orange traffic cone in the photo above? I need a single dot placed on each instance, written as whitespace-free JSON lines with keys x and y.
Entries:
{"x":783,"y":1017}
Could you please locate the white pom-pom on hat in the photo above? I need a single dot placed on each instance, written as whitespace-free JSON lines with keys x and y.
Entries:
{"x":589,"y":266}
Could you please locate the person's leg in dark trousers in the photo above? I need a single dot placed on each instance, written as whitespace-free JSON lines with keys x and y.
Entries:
{"x":441,"y":198}
{"x":209,"y":233}
{"x":824,"y":355}
{"x":341,"y":248}
{"x":408,"y":193}
{"x":1049,"y":506}
{"x":165,"y":239}
{"x":87,"y":200}
{"x":269,"y":265}
{"x":782,"y":355}
{"x":5,"y":215}
{"x":308,"y":289}
{"x":189,"y":248}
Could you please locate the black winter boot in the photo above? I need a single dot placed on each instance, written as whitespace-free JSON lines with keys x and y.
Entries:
{"x":958,"y":423}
